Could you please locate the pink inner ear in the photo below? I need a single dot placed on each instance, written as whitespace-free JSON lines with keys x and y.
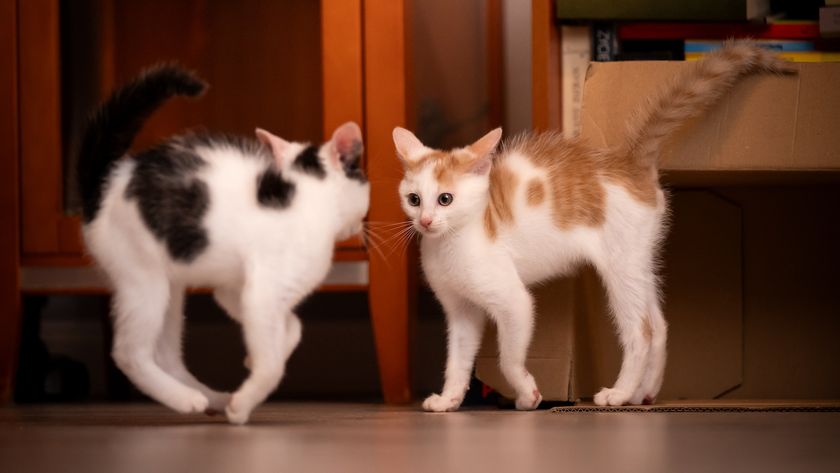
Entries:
{"x":276,"y":144}
{"x":347,"y":139}
{"x":482,"y":165}
{"x":487,"y":143}
{"x":406,"y":143}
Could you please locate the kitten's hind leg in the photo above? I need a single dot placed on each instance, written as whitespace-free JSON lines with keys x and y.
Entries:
{"x":139,"y":314}
{"x":266,"y":326}
{"x":465,"y":323}
{"x":170,"y":354}
{"x":628,"y":295}
{"x":652,"y":380}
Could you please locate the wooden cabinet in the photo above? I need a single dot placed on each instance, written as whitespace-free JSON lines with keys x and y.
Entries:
{"x":298,"y":69}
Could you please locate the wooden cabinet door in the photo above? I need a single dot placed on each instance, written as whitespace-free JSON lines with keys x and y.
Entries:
{"x":294,"y":68}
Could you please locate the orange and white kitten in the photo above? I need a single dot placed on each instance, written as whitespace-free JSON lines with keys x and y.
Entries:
{"x":494,"y":223}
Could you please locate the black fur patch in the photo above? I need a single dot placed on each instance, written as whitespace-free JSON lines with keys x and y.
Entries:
{"x":352,"y":163}
{"x":274,"y":191}
{"x":309,"y":162}
{"x":171,"y":199}
{"x":111,"y":129}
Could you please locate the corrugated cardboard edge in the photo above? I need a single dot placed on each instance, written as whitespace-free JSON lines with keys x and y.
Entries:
{"x":704,"y":407}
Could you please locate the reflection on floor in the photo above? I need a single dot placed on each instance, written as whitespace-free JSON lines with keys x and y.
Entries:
{"x":366,"y":437}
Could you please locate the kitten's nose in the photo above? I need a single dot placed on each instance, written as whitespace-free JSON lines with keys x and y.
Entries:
{"x":426,"y":221}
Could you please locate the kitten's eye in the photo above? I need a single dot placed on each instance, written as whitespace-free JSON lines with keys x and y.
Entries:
{"x":445,"y":199}
{"x":413,"y":200}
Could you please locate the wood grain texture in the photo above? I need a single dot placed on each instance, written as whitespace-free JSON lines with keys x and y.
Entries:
{"x":391,"y":282}
{"x":9,"y":200}
{"x":40,"y":124}
{"x":341,"y":70}
{"x":495,"y":65}
{"x":341,"y":59}
{"x":545,"y":67}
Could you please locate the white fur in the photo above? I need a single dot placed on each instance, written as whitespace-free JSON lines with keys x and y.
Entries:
{"x":475,"y":276}
{"x":261,"y":262}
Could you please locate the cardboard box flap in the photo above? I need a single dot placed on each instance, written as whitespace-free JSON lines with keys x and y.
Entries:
{"x":767,"y":122}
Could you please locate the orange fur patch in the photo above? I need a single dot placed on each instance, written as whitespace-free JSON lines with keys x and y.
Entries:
{"x":535,"y":193}
{"x":576,"y":172}
{"x":448,"y":166}
{"x":499,"y":210}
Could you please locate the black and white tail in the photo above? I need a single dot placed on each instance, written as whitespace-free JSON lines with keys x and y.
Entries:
{"x":112,"y":128}
{"x":695,"y":91}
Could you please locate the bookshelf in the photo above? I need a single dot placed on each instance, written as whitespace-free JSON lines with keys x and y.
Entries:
{"x":801,"y":31}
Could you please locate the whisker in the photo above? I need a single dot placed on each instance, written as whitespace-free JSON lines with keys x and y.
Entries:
{"x":375,"y":246}
{"x":387,"y":224}
{"x":405,"y":239}
{"x":395,"y":241}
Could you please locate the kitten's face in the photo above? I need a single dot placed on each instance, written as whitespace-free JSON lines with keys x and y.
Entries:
{"x":336,"y":164}
{"x":441,"y":191}
{"x":353,"y":198}
{"x":342,"y":157}
{"x":439,"y":201}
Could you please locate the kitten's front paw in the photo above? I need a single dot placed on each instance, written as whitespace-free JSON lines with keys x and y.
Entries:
{"x":236,"y":412}
{"x":438,"y":403}
{"x":192,"y":403}
{"x":612,"y":397}
{"x":529,"y":402}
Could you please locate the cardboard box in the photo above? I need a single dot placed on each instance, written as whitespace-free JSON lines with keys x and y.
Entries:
{"x":751,"y":266}
{"x":767,"y":123}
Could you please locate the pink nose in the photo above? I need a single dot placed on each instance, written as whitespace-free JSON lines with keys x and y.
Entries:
{"x":426,"y":221}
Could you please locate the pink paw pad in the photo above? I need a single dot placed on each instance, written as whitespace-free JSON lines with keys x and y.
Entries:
{"x":537,"y":397}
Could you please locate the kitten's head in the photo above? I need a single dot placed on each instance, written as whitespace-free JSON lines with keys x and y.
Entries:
{"x":442,"y":190}
{"x":336,"y":164}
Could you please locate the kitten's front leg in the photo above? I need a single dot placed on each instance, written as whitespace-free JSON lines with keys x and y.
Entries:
{"x":465,"y":323}
{"x":513,"y":310}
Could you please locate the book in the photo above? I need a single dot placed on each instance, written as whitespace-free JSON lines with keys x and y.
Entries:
{"x":575,"y":54}
{"x":704,"y":46}
{"x":666,"y":30}
{"x":605,"y":45}
{"x":830,"y":22}
{"x":802,"y":56}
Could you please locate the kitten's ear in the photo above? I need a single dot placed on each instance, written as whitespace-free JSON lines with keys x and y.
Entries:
{"x":276,"y":144}
{"x":484,"y":149}
{"x":347,"y":143}
{"x":408,"y":146}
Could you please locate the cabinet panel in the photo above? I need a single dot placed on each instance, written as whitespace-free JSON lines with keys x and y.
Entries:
{"x":261,"y":58}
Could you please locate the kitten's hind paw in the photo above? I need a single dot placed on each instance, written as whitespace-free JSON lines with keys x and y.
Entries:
{"x":612,"y":397}
{"x":438,"y":403}
{"x":236,"y":413}
{"x":529,"y":402}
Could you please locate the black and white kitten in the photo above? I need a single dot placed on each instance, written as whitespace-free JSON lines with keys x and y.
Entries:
{"x":255,"y":220}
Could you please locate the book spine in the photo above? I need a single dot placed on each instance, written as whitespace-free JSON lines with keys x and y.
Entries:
{"x":605,"y":46}
{"x":830,"y":22}
{"x":804,"y":56}
{"x":703,"y":46}
{"x":667,"y":30}
{"x":576,"y":51}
